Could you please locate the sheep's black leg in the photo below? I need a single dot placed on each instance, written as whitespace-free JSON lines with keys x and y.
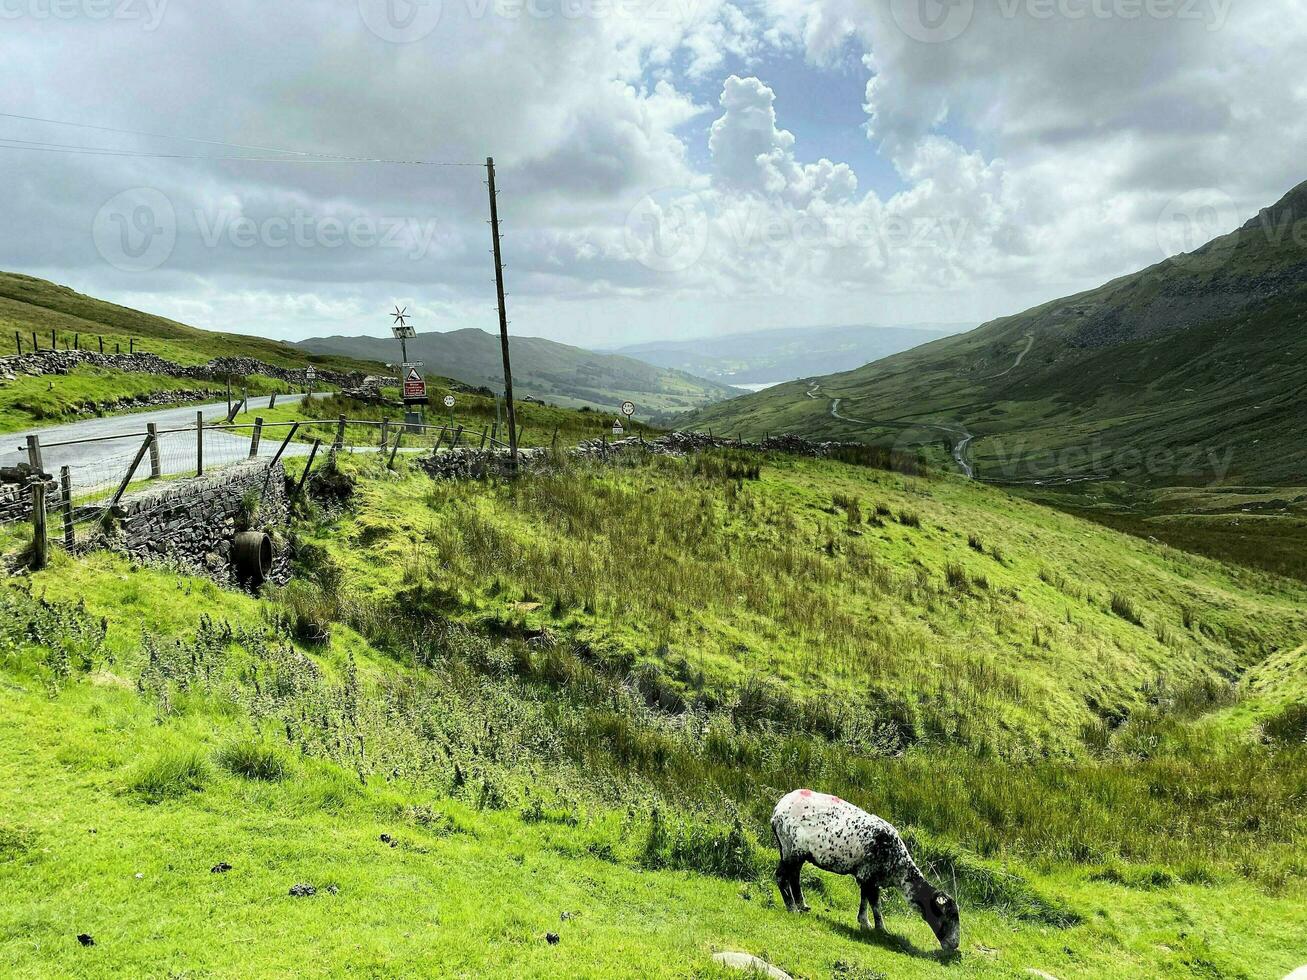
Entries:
{"x":783,"y":883}
{"x":796,"y":888}
{"x":870,"y":900}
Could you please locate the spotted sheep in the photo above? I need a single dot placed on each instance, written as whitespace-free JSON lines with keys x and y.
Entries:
{"x":838,"y":837}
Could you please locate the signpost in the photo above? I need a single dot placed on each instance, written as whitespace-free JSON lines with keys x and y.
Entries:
{"x":449,"y":404}
{"x":415,"y":386}
{"x":617,"y":427}
{"x":310,"y":375}
{"x":628,"y":409}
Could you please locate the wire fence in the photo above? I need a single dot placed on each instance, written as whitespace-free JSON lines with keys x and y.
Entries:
{"x":64,"y":486}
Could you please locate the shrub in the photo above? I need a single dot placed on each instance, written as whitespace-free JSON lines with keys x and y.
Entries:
{"x":308,"y":612}
{"x":957,"y":577}
{"x":975,"y":544}
{"x":253,"y":758}
{"x":170,"y":774}
{"x":909,"y":518}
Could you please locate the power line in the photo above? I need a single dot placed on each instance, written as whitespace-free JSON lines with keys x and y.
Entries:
{"x":292,"y":156}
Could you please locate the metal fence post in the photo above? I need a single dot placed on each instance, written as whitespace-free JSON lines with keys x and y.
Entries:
{"x":156,"y":470}
{"x":40,"y":545}
{"x":258,"y":434}
{"x":199,"y":444}
{"x":66,"y":486}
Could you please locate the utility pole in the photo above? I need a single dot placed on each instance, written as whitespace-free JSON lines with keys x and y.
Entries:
{"x":503,"y":315}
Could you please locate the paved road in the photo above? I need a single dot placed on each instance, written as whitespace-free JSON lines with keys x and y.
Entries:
{"x":177,"y":449}
{"x":959,"y":438}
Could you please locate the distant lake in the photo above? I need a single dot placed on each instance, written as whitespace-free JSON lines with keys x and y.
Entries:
{"x":754,"y":386}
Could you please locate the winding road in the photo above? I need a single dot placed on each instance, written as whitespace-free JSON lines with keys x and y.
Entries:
{"x":959,"y":438}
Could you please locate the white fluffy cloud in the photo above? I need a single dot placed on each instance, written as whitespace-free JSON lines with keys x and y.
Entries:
{"x":647,"y":152}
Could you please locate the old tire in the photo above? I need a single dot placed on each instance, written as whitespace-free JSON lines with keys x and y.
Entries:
{"x":252,"y":556}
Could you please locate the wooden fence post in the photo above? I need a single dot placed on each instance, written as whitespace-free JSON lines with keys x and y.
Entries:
{"x":156,"y":470}
{"x":304,"y":477}
{"x":457,"y":435}
{"x":35,"y":345}
{"x":131,"y":471}
{"x":34,"y":454}
{"x":399,"y":437}
{"x":258,"y":434}
{"x":101,"y":344}
{"x":40,"y":544}
{"x":131,"y":345}
{"x":18,"y":341}
{"x":199,"y":444}
{"x":484,"y":433}
{"x":272,"y":400}
{"x":284,"y":443}
{"x":77,"y":341}
{"x":385,"y":434}
{"x":339,"y":444}
{"x":66,"y":486}
{"x":494,"y":432}
{"x":54,"y":340}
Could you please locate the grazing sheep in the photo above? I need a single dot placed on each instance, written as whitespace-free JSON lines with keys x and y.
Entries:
{"x":838,"y":837}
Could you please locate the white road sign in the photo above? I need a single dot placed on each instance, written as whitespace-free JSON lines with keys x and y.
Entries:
{"x":449,"y":401}
{"x":617,"y":427}
{"x":628,"y":409}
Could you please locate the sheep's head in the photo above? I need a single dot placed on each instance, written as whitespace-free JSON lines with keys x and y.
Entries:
{"x":941,"y":913}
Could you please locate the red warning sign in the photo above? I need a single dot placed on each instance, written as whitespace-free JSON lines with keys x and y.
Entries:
{"x":415,"y":387}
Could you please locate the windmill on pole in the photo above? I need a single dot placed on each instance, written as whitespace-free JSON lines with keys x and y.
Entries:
{"x":402,"y":331}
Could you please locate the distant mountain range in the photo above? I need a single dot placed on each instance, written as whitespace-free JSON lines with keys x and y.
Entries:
{"x":1192,"y":371}
{"x":763,"y":357}
{"x":557,"y":373}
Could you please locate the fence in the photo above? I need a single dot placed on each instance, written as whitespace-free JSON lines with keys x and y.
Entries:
{"x":73,"y":341}
{"x":100,"y":470}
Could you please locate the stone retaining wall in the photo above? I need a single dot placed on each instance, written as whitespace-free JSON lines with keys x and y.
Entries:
{"x":193,"y":521}
{"x":219,"y":369}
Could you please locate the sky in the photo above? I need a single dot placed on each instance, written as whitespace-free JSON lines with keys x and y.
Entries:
{"x":666,"y":168}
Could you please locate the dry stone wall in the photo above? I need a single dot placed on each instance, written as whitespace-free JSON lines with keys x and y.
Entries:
{"x":219,"y":369}
{"x":194,"y":521}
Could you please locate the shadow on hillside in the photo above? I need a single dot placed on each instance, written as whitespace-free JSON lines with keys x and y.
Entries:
{"x":892,"y":943}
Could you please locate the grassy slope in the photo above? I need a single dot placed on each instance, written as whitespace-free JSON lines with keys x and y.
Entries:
{"x":28,"y":304}
{"x":1198,"y":362}
{"x":467,"y":889}
{"x":1173,"y":860}
{"x":554,"y":372}
{"x":772,"y":581}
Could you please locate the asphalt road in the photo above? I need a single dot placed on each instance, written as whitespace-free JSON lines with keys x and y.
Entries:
{"x":122,"y":435}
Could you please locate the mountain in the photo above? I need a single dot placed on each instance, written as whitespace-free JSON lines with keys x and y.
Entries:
{"x":557,"y":373}
{"x":1191,"y":371}
{"x":766,"y":357}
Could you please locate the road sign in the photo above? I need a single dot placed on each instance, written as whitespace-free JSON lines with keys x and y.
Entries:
{"x":617,"y":427}
{"x":310,"y":373}
{"x":415,"y":388}
{"x":628,"y":409}
{"x":449,"y":401}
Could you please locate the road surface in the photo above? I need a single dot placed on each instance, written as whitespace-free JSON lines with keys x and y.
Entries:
{"x":177,"y":450}
{"x":959,"y":438}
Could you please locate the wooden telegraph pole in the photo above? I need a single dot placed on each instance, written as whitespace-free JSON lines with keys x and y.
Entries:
{"x":503,"y":315}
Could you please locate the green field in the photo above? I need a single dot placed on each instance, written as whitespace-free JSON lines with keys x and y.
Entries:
{"x":570,"y":701}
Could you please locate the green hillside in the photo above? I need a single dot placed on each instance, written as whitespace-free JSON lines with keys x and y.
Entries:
{"x":1189,"y":372}
{"x":556,"y":373}
{"x":488,"y":712}
{"x":34,"y":306}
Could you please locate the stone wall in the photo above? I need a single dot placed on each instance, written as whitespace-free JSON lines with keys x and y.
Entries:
{"x":219,"y":369}
{"x":193,"y":521}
